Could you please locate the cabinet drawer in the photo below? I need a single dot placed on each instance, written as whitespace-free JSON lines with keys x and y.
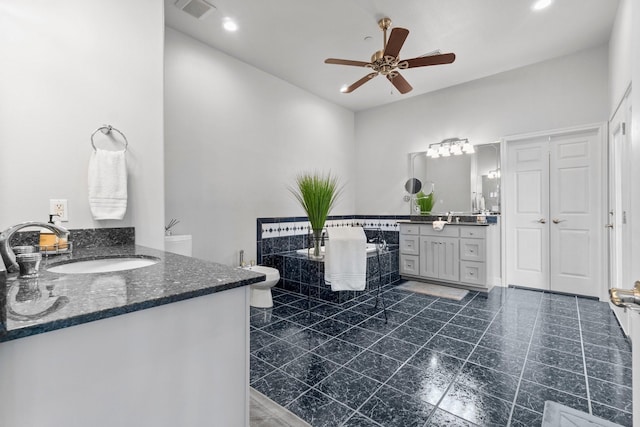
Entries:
{"x":410,"y":264}
{"x":447,"y":231}
{"x":409,"y":229}
{"x":474,"y":231}
{"x":409,"y":245}
{"x":472,"y":249}
{"x":473,"y":273}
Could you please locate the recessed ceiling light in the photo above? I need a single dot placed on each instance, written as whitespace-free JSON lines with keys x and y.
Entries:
{"x":541,"y":4}
{"x":230,"y":25}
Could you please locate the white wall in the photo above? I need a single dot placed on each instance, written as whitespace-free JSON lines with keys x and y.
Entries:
{"x":68,"y":67}
{"x":567,"y":91}
{"x":235,"y":139}
{"x":634,"y":35}
{"x":620,"y":55}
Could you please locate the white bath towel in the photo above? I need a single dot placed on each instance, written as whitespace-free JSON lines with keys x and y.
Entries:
{"x":345,"y":262}
{"x":439,"y":225}
{"x":107,"y":184}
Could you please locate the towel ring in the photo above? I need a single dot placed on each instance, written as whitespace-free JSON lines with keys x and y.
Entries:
{"x":106,"y":129}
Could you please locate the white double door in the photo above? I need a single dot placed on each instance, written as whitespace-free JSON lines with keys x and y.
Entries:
{"x":554,"y":207}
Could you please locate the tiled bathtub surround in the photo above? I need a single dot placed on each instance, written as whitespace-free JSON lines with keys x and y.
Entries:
{"x":490,"y":359}
{"x":306,"y":277}
{"x":284,"y":234}
{"x":279,"y":238}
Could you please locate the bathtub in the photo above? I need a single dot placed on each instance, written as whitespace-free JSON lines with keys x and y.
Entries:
{"x":371,"y":247}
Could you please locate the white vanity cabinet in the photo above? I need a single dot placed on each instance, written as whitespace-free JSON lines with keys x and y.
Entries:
{"x":409,"y":249}
{"x":439,"y":254}
{"x":473,"y":244}
{"x":465,"y":255}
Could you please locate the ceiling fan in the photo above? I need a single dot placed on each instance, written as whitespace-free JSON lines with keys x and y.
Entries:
{"x":387,"y":62}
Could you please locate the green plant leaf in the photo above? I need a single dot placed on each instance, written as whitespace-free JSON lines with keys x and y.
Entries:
{"x":317,"y":194}
{"x":425,"y":201}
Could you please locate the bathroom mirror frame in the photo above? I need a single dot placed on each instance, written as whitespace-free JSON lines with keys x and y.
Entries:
{"x":463,"y":184}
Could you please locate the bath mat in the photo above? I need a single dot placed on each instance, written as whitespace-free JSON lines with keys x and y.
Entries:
{"x":556,"y":414}
{"x":434,"y":290}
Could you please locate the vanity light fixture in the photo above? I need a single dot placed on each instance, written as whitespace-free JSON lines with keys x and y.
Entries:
{"x":467,"y":147}
{"x":447,"y":147}
{"x":444,"y":151}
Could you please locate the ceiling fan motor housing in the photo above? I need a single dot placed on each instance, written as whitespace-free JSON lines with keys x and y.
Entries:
{"x":384,"y":65}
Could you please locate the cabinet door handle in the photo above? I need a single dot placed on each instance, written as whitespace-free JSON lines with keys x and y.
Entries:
{"x":558,"y":221}
{"x":542,"y":221}
{"x":608,"y":226}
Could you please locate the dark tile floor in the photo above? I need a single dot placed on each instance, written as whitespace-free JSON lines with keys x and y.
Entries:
{"x":489,"y":360}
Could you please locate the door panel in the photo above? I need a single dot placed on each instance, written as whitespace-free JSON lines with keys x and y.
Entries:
{"x":527,"y":212}
{"x":575,"y":194}
{"x":429,"y":257}
{"x":449,"y":260}
{"x":529,"y":252}
{"x":620,"y":186}
{"x":554,"y":215}
{"x":573,"y":255}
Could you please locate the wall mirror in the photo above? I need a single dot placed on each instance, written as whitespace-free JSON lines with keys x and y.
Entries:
{"x":465,"y":183}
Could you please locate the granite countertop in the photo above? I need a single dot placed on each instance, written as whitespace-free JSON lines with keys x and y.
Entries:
{"x":473,"y":224}
{"x":54,"y":301}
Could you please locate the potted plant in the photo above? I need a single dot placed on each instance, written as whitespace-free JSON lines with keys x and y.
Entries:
{"x":317,"y":194}
{"x":425,"y":202}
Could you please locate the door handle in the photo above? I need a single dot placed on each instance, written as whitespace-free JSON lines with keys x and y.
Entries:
{"x":608,"y":226}
{"x":542,"y":221}
{"x":558,"y":221}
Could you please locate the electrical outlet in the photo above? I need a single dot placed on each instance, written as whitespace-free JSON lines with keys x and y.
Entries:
{"x":59,"y":207}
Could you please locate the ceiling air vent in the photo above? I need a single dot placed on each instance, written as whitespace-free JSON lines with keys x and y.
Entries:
{"x":196,"y":8}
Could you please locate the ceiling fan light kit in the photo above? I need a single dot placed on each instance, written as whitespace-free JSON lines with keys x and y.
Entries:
{"x":387,"y":61}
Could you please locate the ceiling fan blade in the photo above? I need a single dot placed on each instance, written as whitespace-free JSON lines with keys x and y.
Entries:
{"x":359,"y":83}
{"x":423,"y":61}
{"x":345,"y":62}
{"x":400,"y":83}
{"x":396,"y":40}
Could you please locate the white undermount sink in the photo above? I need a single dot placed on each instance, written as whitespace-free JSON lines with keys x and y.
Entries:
{"x":102,"y":265}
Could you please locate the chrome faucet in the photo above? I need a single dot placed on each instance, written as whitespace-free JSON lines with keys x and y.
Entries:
{"x":8,"y":257}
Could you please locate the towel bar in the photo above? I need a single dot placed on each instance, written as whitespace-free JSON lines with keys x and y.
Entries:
{"x":106,"y":129}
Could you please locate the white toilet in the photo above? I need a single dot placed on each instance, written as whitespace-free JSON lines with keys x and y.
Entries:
{"x":261,"y":291}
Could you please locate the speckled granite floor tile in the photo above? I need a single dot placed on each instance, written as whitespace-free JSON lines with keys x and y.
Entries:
{"x":319,"y":410}
{"x":348,"y":387}
{"x":471,"y":405}
{"x":488,"y":360}
{"x":392,"y":408}
{"x":359,"y":420}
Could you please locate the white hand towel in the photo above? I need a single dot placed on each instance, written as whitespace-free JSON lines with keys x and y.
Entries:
{"x":345,"y":262}
{"x":439,"y":225}
{"x":107,"y":184}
